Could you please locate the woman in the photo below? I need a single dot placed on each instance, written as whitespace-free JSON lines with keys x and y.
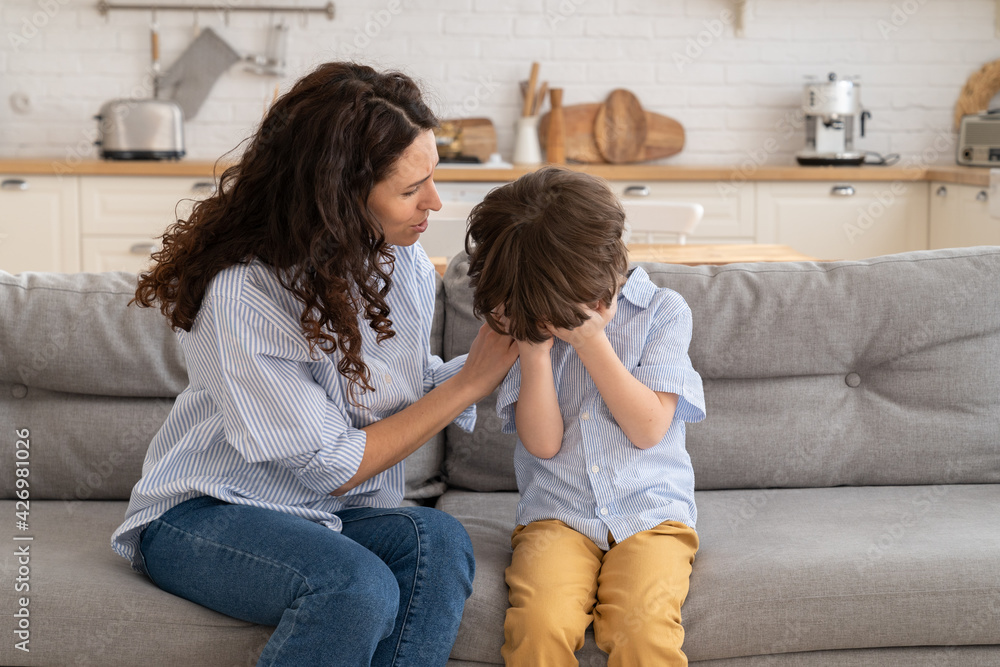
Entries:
{"x":304,"y":310}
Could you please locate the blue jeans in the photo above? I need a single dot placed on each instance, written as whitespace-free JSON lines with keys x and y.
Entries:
{"x":389,"y":590}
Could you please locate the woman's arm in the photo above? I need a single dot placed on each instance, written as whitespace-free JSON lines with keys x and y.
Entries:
{"x":643,"y":414}
{"x":539,"y":422}
{"x":390,"y":440}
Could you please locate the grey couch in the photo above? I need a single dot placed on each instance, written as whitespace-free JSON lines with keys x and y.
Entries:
{"x":848,"y":472}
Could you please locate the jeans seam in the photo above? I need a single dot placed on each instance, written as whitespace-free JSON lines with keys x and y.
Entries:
{"x":416,"y":576}
{"x":243,"y":553}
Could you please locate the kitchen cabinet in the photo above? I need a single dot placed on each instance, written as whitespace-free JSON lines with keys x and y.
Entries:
{"x":844,"y":220}
{"x":39,"y":227}
{"x":122,"y":217}
{"x":445,"y":235}
{"x":960,"y":216}
{"x":110,"y":216}
{"x":729,"y":212}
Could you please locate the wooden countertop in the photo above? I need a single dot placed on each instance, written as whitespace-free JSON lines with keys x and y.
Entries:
{"x":695,"y":254}
{"x":713,"y":253}
{"x":638,"y":172}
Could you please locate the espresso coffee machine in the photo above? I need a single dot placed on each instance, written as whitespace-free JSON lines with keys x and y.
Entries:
{"x":832,"y":109}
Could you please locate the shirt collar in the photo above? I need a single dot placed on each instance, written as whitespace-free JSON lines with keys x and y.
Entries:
{"x":638,"y":288}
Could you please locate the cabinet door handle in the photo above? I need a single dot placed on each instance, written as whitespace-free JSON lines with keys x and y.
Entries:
{"x":942,"y":191}
{"x":142,"y":249}
{"x":842,"y":191}
{"x":14,"y":184}
{"x":637,"y":191}
{"x":982,"y":195}
{"x":203,"y":186}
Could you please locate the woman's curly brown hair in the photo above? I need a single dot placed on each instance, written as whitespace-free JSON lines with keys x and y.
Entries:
{"x":298,"y":201}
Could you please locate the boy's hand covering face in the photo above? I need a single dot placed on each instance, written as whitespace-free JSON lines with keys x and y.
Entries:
{"x":597,"y":320}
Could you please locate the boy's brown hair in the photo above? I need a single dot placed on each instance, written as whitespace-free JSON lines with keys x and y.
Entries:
{"x":541,"y":247}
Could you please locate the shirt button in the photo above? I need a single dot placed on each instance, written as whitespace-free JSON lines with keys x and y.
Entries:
{"x":387,"y":378}
{"x":604,"y":511}
{"x":585,"y":416}
{"x":596,"y":468}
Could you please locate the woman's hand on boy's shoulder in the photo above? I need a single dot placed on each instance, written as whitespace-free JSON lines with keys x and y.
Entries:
{"x":490,"y":357}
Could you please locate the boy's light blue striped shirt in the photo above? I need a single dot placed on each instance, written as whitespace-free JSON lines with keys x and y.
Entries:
{"x":599,"y":481}
{"x":263,"y":423}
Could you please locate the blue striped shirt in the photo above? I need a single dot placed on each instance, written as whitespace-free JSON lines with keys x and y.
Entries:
{"x":263,"y":423}
{"x":599,"y":481}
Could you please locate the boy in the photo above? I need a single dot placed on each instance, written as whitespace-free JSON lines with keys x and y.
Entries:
{"x":598,"y":399}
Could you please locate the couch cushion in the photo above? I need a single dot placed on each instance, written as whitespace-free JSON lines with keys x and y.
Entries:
{"x":93,"y":379}
{"x":87,"y":606}
{"x":484,"y":459}
{"x":790,"y":570}
{"x":73,"y":332}
{"x":881,"y":371}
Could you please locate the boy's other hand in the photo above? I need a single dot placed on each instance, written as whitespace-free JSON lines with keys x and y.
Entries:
{"x":597,"y":320}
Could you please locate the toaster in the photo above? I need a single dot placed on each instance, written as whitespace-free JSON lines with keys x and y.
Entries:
{"x":979,"y":140}
{"x":131,"y":129}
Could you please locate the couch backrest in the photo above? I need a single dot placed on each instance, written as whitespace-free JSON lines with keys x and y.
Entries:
{"x":876,"y":372}
{"x":92,"y":379}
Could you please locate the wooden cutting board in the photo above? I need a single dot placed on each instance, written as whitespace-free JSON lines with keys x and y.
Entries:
{"x":620,"y":128}
{"x":664,"y":135}
{"x":476,"y":137}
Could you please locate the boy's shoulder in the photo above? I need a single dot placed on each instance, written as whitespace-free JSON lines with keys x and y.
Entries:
{"x":642,"y":292}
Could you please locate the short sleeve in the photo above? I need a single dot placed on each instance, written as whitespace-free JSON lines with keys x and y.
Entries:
{"x":665,"y":366}
{"x":507,"y":396}
{"x":438,"y":371}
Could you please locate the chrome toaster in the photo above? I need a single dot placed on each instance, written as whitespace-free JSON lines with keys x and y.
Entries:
{"x":143,"y":129}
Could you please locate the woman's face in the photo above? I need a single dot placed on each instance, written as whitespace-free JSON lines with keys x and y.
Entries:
{"x":402,"y":201}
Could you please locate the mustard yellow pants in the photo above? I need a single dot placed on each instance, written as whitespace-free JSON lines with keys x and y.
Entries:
{"x":560,"y":582}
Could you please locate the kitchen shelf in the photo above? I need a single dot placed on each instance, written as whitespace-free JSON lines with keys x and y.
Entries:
{"x":104,"y":8}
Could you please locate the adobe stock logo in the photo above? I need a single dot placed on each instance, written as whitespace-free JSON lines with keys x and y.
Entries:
{"x":38,"y":20}
{"x":697,"y":45}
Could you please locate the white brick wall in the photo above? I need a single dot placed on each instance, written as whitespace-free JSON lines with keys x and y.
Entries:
{"x":734,"y":95}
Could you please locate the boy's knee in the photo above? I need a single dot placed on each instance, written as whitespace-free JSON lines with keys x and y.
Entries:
{"x":554,"y":621}
{"x":638,"y":633}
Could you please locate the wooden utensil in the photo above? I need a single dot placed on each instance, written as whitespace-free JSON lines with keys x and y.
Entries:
{"x":540,"y":98}
{"x":555,"y":143}
{"x":529,"y":99}
{"x":578,"y":132}
{"x":620,"y":128}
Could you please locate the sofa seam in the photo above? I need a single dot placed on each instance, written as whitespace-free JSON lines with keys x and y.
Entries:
{"x":823,"y":268}
{"x":859,"y":596}
{"x":29,"y":288}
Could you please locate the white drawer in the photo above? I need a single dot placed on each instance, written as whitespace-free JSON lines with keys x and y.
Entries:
{"x":729,"y":214}
{"x":117,"y":253}
{"x":445,"y":235}
{"x":141,"y":205}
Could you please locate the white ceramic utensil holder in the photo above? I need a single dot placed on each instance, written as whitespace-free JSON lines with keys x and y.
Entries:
{"x":527,"y":150}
